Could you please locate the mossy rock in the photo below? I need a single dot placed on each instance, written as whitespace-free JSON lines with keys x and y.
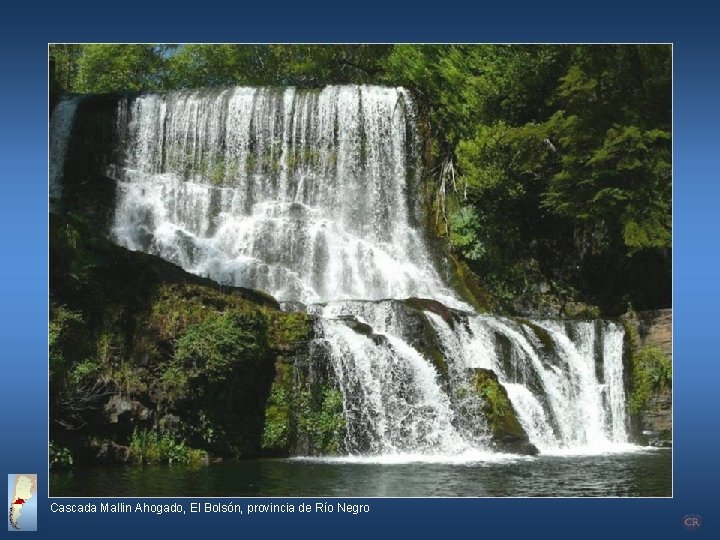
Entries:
{"x":507,"y":433}
{"x":466,"y":283}
{"x":648,"y":368}
{"x":439,"y":361}
{"x":290,"y":331}
{"x":547,"y":343}
{"x":581,"y":311}
{"x":421,"y":333}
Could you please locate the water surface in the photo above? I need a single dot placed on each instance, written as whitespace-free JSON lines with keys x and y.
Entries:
{"x":634,"y":474}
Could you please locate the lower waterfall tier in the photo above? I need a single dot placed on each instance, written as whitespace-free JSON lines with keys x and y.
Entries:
{"x":419,"y":378}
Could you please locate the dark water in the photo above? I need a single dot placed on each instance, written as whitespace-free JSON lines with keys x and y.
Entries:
{"x":632,"y":475}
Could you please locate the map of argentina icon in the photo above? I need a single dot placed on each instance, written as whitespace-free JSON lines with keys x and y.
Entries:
{"x":22,"y":502}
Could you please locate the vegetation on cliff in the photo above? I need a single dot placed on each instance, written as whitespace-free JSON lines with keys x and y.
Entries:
{"x":649,"y":368}
{"x":151,"y":364}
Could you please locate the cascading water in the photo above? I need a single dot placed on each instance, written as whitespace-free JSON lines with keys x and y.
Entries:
{"x":393,"y":401}
{"x":552,"y":380}
{"x":61,"y":123}
{"x":301,"y":193}
{"x":308,"y":194}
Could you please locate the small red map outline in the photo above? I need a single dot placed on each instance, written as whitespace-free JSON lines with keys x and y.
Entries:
{"x":25,"y":486}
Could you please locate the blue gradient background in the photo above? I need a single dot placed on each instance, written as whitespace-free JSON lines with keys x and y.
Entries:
{"x":692,"y":26}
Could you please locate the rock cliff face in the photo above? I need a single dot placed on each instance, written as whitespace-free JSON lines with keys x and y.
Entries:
{"x":652,"y":418}
{"x":655,"y":328}
{"x":148,"y":362}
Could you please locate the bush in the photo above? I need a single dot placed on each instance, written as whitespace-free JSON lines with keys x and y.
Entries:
{"x":214,"y":345}
{"x":84,"y":371}
{"x":651,"y":371}
{"x":60,"y":457}
{"x":153,"y":447}
{"x":65,"y":326}
{"x":323,"y":422}
{"x":276,"y":431}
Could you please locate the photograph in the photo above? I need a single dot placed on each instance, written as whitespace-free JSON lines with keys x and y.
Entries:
{"x":382,"y":270}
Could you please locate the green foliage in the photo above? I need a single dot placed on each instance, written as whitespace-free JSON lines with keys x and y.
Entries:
{"x":65,"y":58}
{"x":111,"y":68}
{"x":462,"y":87}
{"x":152,"y":447}
{"x":60,"y":457}
{"x":651,"y":371}
{"x":322,"y":419}
{"x":177,"y":307}
{"x":626,"y":179}
{"x":276,"y":433}
{"x":65,"y":327}
{"x":465,"y":225}
{"x":564,"y":160}
{"x":201,"y":65}
{"x":220,"y":342}
{"x":84,"y":371}
{"x":317,"y":65}
{"x":289,"y":330}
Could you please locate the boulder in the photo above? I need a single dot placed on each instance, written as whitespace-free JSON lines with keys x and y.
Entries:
{"x":505,"y":430}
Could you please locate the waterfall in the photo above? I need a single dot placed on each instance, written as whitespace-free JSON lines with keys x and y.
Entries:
{"x":305,"y":194}
{"x":312,"y":196}
{"x":552,"y":378}
{"x":61,"y":123}
{"x":393,"y":402}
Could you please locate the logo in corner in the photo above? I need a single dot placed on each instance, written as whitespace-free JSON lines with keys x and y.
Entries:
{"x":22,"y":502}
{"x":692,"y":522}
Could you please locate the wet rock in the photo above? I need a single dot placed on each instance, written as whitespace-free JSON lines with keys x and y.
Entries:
{"x":292,"y":305}
{"x":656,"y":419}
{"x":357,"y":326}
{"x":106,"y":451}
{"x":433,"y":306}
{"x":120,"y":408}
{"x":505,"y":429}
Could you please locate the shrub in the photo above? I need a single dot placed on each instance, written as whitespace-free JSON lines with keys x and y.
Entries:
{"x":323,"y":422}
{"x":153,"y":447}
{"x":219,"y":341}
{"x":65,"y":325}
{"x":652,"y":371}
{"x":60,"y":457}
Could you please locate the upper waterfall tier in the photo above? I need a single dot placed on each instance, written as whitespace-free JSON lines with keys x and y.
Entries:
{"x":303,"y":193}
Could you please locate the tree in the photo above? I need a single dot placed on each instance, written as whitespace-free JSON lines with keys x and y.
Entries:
{"x":65,"y":58}
{"x":297,"y":65}
{"x":111,"y":68}
{"x":563,"y":155}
